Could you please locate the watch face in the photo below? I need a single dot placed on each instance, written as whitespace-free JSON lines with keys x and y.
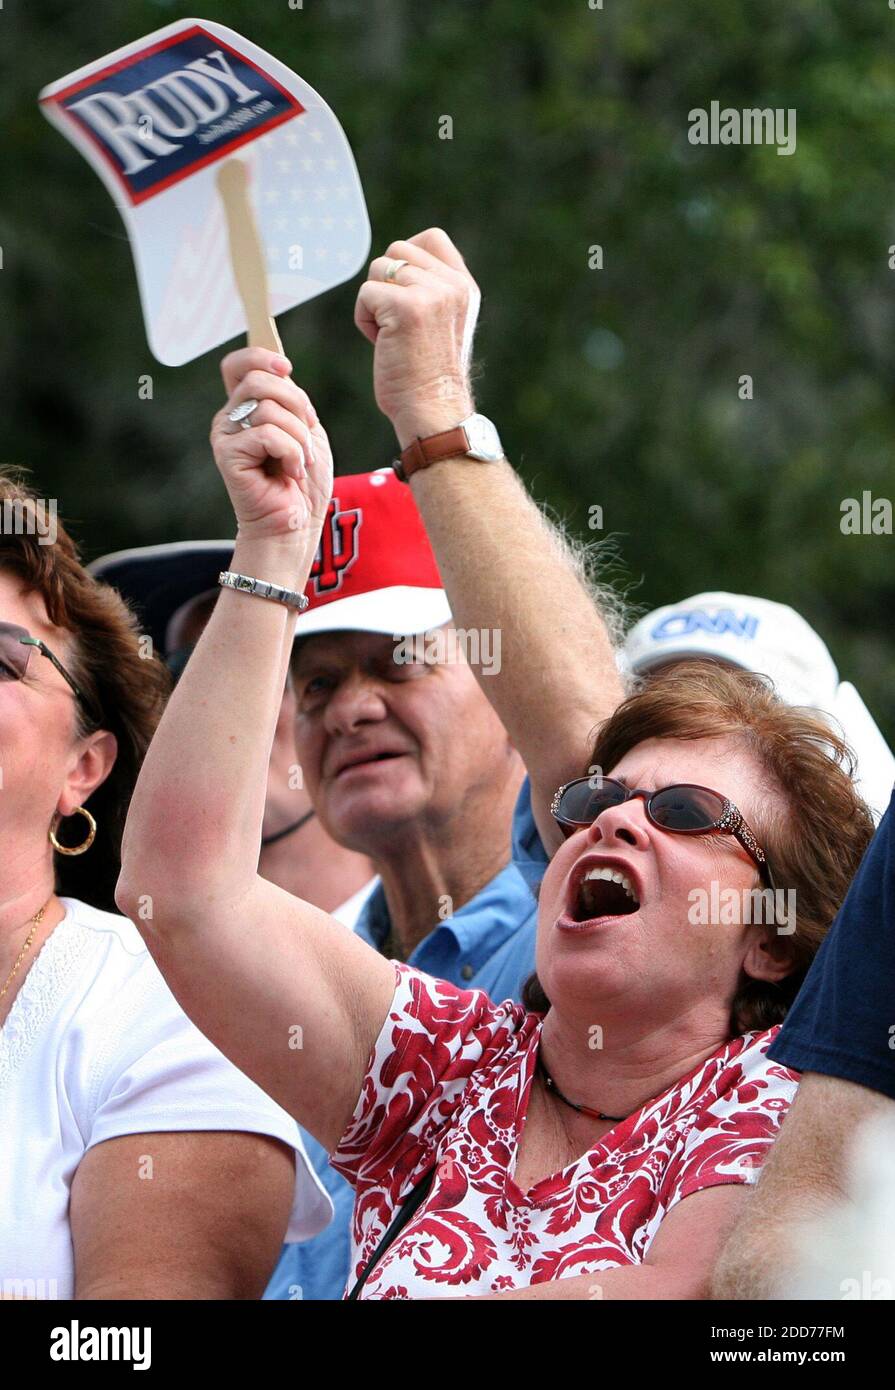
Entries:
{"x":484,"y":441}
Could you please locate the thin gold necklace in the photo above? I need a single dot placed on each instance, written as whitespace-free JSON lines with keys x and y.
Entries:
{"x":35,"y":923}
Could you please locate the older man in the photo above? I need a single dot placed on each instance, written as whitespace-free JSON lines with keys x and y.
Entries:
{"x":405,"y":757}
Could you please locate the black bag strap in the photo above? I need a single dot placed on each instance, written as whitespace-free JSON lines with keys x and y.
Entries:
{"x":418,"y":1195}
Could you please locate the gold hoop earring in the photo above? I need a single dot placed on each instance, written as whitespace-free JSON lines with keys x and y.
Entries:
{"x":91,"y":834}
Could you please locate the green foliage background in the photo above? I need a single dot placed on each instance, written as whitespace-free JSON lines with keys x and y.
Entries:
{"x":615,"y":387}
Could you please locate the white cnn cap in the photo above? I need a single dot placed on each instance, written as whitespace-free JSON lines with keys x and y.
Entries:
{"x":772,"y":640}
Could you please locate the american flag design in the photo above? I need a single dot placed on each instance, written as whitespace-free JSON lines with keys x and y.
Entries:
{"x":304,"y":187}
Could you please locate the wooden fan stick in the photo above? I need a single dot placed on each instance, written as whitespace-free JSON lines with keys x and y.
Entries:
{"x":247,"y":255}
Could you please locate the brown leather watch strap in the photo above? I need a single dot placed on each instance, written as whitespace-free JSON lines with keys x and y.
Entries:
{"x":421,"y":452}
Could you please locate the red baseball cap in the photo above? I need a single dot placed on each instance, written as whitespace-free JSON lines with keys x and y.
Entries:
{"x":374,"y":570}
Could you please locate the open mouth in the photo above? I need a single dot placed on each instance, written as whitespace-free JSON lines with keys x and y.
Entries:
{"x":602,"y":893}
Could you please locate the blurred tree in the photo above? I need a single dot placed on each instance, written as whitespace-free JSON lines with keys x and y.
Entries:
{"x":616,"y":386}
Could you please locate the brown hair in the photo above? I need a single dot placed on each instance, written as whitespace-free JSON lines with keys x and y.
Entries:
{"x":125,"y":688}
{"x":814,"y":847}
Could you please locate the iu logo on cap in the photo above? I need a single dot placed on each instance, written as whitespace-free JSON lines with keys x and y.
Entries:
{"x":338,"y":548}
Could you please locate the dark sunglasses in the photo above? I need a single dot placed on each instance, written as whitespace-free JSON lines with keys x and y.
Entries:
{"x":682,"y":809}
{"x":16,"y":647}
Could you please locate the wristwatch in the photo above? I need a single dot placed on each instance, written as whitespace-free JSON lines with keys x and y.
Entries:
{"x":475,"y":437}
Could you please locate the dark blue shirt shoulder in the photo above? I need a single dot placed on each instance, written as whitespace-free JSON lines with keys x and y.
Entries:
{"x":841,"y":1023}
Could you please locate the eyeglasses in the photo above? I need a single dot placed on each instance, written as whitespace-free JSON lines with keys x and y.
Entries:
{"x":683,"y":809}
{"x":16,"y":646}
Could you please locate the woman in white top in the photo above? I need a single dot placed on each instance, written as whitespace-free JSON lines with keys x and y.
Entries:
{"x":137,"y":1162}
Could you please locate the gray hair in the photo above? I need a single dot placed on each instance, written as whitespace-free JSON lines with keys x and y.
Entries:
{"x":598,"y":565}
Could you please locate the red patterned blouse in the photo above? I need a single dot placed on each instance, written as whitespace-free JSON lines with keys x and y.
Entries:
{"x":448,"y":1086}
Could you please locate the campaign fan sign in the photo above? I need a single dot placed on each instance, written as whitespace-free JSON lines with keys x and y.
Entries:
{"x":156,"y":119}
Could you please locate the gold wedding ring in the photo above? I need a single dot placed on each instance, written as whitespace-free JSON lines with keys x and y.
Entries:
{"x":393,"y":268}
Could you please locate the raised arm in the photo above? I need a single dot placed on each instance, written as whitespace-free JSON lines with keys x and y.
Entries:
{"x":506,"y":568}
{"x":290,"y":996}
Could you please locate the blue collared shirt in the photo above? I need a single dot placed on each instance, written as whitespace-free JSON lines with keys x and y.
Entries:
{"x":488,"y":944}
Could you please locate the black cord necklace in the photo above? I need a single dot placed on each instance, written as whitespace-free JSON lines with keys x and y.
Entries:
{"x":582,"y":1109}
{"x":287,"y":830}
